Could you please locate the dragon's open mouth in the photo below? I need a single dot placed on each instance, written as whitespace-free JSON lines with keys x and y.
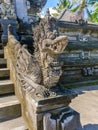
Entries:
{"x":55,"y":46}
{"x":58,"y":45}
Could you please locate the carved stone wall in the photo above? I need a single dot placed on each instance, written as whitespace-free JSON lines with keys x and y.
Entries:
{"x":81,"y":55}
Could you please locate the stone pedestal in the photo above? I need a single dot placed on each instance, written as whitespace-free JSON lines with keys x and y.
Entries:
{"x":50,"y":113}
{"x":4,"y":24}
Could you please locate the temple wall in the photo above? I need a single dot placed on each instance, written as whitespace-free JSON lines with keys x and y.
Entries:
{"x":81,"y":55}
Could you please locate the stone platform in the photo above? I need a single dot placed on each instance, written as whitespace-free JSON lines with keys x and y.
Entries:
{"x":87,"y":105}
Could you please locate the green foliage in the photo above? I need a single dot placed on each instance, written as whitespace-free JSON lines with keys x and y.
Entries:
{"x":90,"y":7}
{"x":94,"y":13}
{"x":63,"y":4}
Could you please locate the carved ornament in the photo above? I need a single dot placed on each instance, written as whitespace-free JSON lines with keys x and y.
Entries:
{"x":40,"y":72}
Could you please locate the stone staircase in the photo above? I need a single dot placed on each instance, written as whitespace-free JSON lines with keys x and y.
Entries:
{"x":10,"y":107}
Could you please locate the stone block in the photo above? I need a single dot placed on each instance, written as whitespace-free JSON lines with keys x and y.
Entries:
{"x":50,"y":113}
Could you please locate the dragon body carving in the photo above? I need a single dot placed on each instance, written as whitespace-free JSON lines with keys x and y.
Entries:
{"x":40,"y":71}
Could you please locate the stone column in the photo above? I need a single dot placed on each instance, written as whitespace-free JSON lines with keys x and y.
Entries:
{"x":50,"y":113}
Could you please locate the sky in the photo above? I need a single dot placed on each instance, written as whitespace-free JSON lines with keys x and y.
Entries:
{"x":50,"y":4}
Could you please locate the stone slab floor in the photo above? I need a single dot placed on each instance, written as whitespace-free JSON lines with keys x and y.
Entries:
{"x":87,"y":105}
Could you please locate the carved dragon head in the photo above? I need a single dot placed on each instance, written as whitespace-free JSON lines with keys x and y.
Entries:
{"x":49,"y":45}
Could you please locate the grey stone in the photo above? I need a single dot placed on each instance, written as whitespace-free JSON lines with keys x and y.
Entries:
{"x":4,"y":73}
{"x":13,"y":124}
{"x":6,"y":87}
{"x":9,"y":108}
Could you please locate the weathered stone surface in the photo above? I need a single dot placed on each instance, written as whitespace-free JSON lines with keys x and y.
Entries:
{"x":1,"y":53}
{"x":37,"y":5}
{"x":9,"y":108}
{"x":1,"y":46}
{"x":87,"y":107}
{"x":14,"y":124}
{"x":2,"y":63}
{"x":21,"y":7}
{"x":88,"y":46}
{"x":39,"y":71}
{"x":4,"y":73}
{"x":36,"y":76}
{"x":5,"y":23}
{"x":71,"y":25}
{"x":6,"y":87}
{"x":69,"y":123}
{"x":38,"y":102}
{"x":50,"y":113}
{"x":7,"y":10}
{"x":80,"y":56}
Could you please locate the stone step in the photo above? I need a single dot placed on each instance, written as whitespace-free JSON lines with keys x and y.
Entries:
{"x":6,"y":87}
{"x":1,"y":53}
{"x":4,"y":73}
{"x":14,"y":124}
{"x":10,"y":108}
{"x":3,"y":63}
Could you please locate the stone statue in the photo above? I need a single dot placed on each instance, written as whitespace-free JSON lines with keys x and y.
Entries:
{"x":40,"y":72}
{"x":7,"y":10}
